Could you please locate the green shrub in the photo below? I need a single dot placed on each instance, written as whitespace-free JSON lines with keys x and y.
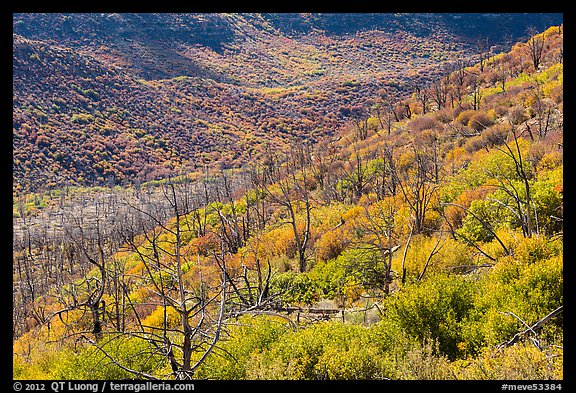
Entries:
{"x":86,"y":362}
{"x":247,"y":338}
{"x":364,"y":266}
{"x":327,"y":350}
{"x":434,"y":309}
{"x":295,"y":287}
{"x":482,"y":220}
{"x":330,"y":277}
{"x":357,"y":362}
{"x":526,"y":289}
{"x":91,"y":363}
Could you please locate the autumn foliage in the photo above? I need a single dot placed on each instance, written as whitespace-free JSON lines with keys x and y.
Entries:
{"x":422,"y":240}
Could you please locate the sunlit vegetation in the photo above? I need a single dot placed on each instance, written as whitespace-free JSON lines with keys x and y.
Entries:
{"x":424,"y":240}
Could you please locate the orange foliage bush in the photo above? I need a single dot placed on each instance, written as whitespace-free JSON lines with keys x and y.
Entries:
{"x":454,"y":214}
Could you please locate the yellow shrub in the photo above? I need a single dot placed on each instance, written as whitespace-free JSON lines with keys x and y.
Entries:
{"x":156,"y":318}
{"x":518,"y":362}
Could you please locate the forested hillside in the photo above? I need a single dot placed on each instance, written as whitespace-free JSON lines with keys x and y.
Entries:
{"x":120,"y":99}
{"x":423,"y":240}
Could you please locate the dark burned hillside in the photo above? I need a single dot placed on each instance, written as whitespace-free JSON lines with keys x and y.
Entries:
{"x":157,"y":46}
{"x":217,"y":31}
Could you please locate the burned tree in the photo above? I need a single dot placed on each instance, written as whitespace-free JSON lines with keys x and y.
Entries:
{"x":535,"y":46}
{"x":287,"y":183}
{"x":168,"y":273}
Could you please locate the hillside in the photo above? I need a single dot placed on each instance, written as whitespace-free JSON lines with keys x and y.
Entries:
{"x":423,"y":241}
{"x":223,"y":46}
{"x":122,"y":98}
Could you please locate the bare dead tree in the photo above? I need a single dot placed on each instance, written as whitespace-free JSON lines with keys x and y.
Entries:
{"x":378,"y":232}
{"x":440,"y":89}
{"x":502,"y":75}
{"x":530,"y":329}
{"x":458,"y":77}
{"x":360,"y":118}
{"x":323,"y":156}
{"x":355,"y":173}
{"x":476,"y":91}
{"x":405,"y":253}
{"x":483,"y":48}
{"x":417,"y":183}
{"x":435,"y":250}
{"x":231,"y":222}
{"x":383,"y":112}
{"x":91,"y":239}
{"x":544,"y":111}
{"x":423,"y":96}
{"x":293,"y":182}
{"x":165,"y":262}
{"x":384,"y":179}
{"x":522,"y":206}
{"x":536,"y":44}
